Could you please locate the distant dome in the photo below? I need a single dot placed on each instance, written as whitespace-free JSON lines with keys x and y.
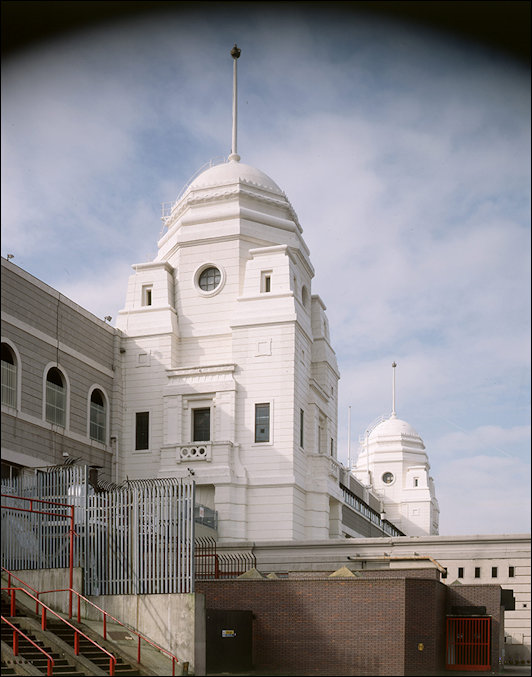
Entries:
{"x":393,"y":427}
{"x":232,"y":172}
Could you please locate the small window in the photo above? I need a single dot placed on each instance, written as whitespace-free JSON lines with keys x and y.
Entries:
{"x":477,"y":572}
{"x":460,"y":572}
{"x":97,"y":416}
{"x":142,"y":430}
{"x":304,"y":296}
{"x":388,"y":478}
{"x":209,"y":279}
{"x":201,"y":425}
{"x":332,"y":446}
{"x":416,"y":482}
{"x":444,"y":573}
{"x":147,"y":295}
{"x":266,"y":281}
{"x":494,"y":572}
{"x":55,"y":397}
{"x":262,"y":422}
{"x":511,"y":572}
{"x":301,"y":428}
{"x":9,"y":377}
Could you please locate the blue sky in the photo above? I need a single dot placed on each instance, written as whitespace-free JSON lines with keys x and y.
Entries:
{"x":406,"y":155}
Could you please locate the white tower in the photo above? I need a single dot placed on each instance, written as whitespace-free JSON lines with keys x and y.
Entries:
{"x":393,"y":461}
{"x":230,"y":374}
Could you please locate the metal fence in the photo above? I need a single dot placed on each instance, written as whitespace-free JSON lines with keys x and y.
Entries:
{"x":211,"y":564}
{"x":136,"y":538}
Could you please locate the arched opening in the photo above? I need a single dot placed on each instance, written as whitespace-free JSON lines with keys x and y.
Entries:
{"x":55,"y":397}
{"x":9,"y":377}
{"x":97,"y":416}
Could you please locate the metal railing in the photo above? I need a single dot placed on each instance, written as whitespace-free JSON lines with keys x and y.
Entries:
{"x":362,"y":508}
{"x":137,"y":538}
{"x":77,"y":633}
{"x":56,"y":515}
{"x":206,"y":516}
{"x":209,"y":564}
{"x":106,"y":615}
{"x":16,"y":632}
{"x":168,"y":207}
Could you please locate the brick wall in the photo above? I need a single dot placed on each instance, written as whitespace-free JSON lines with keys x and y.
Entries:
{"x":424,"y":626}
{"x":334,"y":626}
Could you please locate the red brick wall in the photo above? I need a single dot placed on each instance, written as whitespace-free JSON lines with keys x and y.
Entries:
{"x":333,"y":626}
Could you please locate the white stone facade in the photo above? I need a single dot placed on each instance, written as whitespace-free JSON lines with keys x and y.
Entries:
{"x":394,"y":464}
{"x":222,"y":331}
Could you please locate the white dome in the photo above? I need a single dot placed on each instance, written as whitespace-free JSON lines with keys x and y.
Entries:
{"x":393,"y":427}
{"x":234,"y":172}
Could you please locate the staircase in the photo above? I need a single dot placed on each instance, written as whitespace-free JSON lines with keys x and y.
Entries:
{"x":58,"y":641}
{"x":91,"y":652}
{"x":62,"y":664}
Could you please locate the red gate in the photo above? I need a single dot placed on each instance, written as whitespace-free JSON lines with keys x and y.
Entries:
{"x":468,"y":644}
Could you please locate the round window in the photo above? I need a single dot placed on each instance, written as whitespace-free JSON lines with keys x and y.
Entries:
{"x":209,"y":279}
{"x":387,"y":478}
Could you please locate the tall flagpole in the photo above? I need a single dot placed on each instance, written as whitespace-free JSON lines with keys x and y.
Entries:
{"x":235,"y":53}
{"x":349,"y":439}
{"x":393,"y":389}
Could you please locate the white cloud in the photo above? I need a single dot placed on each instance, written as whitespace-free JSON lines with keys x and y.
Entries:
{"x":406,"y":159}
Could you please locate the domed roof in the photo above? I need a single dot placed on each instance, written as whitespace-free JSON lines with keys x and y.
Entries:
{"x":232,"y":172}
{"x":392,"y":427}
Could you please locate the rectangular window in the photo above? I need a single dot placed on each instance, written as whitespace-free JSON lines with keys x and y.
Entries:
{"x":332,"y":446}
{"x":460,"y":572}
{"x":266,"y":281}
{"x":477,"y":572}
{"x":142,"y":430}
{"x":511,"y":572}
{"x":146,"y":295}
{"x":301,"y":428}
{"x":97,"y":422}
{"x":494,"y":572}
{"x":416,"y":481}
{"x":201,"y":425}
{"x":444,"y":573}
{"x":55,"y":404}
{"x":262,"y":422}
{"x":9,"y":384}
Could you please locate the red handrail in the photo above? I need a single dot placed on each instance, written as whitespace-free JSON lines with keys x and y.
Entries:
{"x":51,"y":662}
{"x":105,"y":614}
{"x":9,"y":577}
{"x":77,"y":632}
{"x":53,"y":514}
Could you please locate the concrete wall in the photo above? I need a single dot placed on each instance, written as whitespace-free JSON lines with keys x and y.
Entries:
{"x":48,"y":579}
{"x":176,"y":622}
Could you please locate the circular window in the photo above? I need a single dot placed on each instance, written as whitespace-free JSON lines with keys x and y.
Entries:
{"x":209,"y":279}
{"x":387,"y":478}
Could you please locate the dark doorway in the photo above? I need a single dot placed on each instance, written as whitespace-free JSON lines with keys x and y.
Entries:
{"x":229,"y":640}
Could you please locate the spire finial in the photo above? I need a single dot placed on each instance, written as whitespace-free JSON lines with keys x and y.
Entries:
{"x":235,"y":53}
{"x":393,"y":389}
